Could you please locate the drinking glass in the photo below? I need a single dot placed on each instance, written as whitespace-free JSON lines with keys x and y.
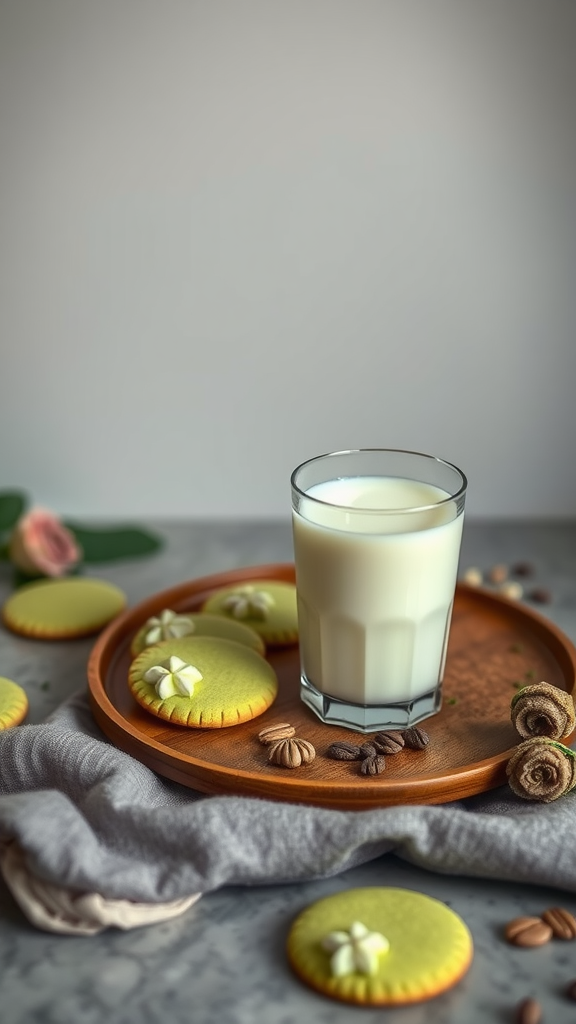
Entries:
{"x":377,"y":537}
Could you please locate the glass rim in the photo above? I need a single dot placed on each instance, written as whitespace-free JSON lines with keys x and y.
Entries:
{"x":380,"y":511}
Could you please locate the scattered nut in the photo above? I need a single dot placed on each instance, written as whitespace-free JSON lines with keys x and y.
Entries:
{"x":511,"y":589}
{"x":291,"y":753}
{"x":273,"y":733}
{"x":539,"y":595}
{"x":368,"y":750}
{"x":498,"y":573}
{"x":562,"y":922}
{"x":390,"y":742}
{"x":523,"y":569}
{"x":473,"y":577}
{"x":528,"y":932}
{"x":571,"y":990}
{"x":528,"y":1011}
{"x":373,"y":765}
{"x":343,"y":751}
{"x":416,"y":738}
{"x":372,"y":752}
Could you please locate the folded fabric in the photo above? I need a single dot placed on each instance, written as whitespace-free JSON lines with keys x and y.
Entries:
{"x":56,"y":909}
{"x":91,"y":819}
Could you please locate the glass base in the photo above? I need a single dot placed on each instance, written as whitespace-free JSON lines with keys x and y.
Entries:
{"x":370,"y":717}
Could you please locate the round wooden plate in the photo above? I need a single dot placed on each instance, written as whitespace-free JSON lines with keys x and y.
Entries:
{"x":496,"y":645}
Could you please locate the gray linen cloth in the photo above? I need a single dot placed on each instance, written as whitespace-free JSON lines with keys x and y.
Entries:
{"x":92,"y":818}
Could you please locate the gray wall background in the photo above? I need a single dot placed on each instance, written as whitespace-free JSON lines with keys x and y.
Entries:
{"x":234,"y":235}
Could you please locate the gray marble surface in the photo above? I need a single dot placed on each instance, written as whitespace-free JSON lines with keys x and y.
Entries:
{"x":223,"y":961}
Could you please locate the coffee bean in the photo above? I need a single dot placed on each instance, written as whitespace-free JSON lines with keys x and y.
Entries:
{"x":341,"y":750}
{"x":571,"y":990}
{"x":562,"y":922}
{"x":390,"y":742}
{"x":523,"y":569}
{"x":368,"y":750}
{"x":373,"y":765}
{"x":416,"y":738}
{"x":540,"y":595}
{"x":528,"y":1011}
{"x":528,"y":932}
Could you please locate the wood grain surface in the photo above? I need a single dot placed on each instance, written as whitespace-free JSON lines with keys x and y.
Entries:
{"x":495,"y":646}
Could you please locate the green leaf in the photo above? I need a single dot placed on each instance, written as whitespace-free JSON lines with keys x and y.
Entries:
{"x":114,"y":542}
{"x":12,"y":505}
{"x":19,"y":578}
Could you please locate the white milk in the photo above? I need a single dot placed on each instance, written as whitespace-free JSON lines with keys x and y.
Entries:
{"x":375,"y":589}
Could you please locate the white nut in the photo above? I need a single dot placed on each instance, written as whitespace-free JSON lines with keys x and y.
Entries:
{"x":498,"y":573}
{"x":473,"y":577}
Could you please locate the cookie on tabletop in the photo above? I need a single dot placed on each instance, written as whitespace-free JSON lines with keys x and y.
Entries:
{"x":13,"y":703}
{"x":170,"y":625}
{"x":61,"y":609}
{"x":379,"y":946}
{"x":267,"y":606}
{"x":202,"y":682}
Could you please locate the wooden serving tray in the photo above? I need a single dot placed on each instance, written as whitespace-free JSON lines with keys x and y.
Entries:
{"x":495,"y":646}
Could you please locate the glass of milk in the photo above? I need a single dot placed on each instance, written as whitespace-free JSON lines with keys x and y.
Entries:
{"x":376,"y":542}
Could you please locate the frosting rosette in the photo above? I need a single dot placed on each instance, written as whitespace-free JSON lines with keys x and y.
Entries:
{"x":541,"y":769}
{"x":168,"y":625}
{"x":247,"y":602}
{"x":175,"y":678}
{"x":542,"y":710}
{"x":356,"y":950}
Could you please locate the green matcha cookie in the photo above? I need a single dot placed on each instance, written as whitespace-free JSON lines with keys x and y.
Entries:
{"x":379,"y":946}
{"x":13,"y":703}
{"x":267,"y":606}
{"x":202,"y":682}
{"x":169,"y":625}
{"x":62,"y":609}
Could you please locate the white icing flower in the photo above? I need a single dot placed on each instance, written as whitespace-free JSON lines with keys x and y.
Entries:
{"x":174,"y":678}
{"x":356,"y":950}
{"x":247,"y":602}
{"x":167,"y":626}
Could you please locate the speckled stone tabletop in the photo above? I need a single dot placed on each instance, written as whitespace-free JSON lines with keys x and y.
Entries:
{"x":223,"y":961}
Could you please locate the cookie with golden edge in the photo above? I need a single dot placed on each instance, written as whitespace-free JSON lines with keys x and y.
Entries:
{"x":170,"y":625}
{"x":13,"y":703}
{"x":267,"y":606}
{"x":203,"y":682}
{"x":64,"y":608}
{"x":379,"y":946}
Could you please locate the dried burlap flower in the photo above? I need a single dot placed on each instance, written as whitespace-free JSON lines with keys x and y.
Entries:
{"x":541,"y":769}
{"x":542,"y":710}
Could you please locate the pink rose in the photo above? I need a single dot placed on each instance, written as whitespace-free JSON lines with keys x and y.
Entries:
{"x":40,"y":543}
